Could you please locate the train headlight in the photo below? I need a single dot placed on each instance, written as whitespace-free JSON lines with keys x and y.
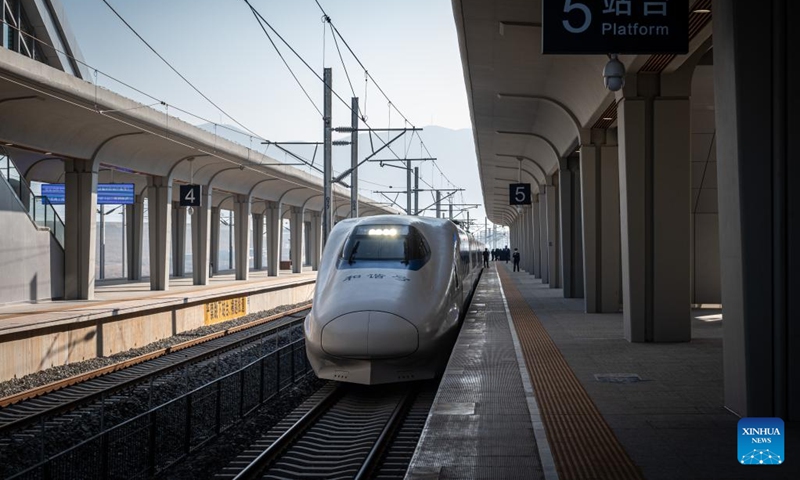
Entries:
{"x":386,"y":232}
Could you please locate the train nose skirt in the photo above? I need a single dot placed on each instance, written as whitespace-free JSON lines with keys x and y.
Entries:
{"x":369,"y":334}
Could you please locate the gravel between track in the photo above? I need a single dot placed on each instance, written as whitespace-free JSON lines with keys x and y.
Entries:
{"x":215,"y":456}
{"x":33,"y":380}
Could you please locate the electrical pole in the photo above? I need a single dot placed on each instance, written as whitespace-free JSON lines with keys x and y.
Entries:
{"x":416,"y":190}
{"x":327,"y":217}
{"x":408,"y":188}
{"x":354,"y":159}
{"x":438,"y":204}
{"x":450,"y":209}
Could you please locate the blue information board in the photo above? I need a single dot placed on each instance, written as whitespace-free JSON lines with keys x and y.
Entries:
{"x":53,"y":193}
{"x":107,"y":193}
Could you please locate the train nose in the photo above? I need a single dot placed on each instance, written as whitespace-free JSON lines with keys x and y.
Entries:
{"x":369,"y":334}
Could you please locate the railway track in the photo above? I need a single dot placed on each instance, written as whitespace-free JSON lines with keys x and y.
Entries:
{"x":33,"y":406}
{"x":342,"y":432}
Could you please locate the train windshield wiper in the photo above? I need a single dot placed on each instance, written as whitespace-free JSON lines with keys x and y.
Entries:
{"x":405,"y":252}
{"x":351,"y":258}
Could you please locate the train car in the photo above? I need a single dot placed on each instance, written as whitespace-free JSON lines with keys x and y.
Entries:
{"x":390,"y":295}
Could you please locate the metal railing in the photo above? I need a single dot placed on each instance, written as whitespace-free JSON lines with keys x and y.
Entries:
{"x":40,"y":211}
{"x":153,"y":441}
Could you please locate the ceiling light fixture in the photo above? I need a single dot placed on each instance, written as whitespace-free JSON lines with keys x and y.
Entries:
{"x":701,"y":10}
{"x":608,"y":119}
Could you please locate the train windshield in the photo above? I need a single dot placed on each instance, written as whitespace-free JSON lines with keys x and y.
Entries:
{"x":385,"y":246}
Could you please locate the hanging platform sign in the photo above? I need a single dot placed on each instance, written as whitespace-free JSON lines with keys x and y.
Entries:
{"x":519,"y":194}
{"x":190,"y":196}
{"x":615,"y":26}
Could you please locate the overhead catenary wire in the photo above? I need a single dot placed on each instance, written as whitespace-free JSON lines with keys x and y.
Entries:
{"x":188,"y":82}
{"x":277,"y":50}
{"x":171,"y":67}
{"x":368,"y":76}
{"x":344,"y":65}
{"x":263,"y":21}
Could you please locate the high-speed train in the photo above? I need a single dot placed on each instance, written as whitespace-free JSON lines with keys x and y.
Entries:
{"x":390,"y":295}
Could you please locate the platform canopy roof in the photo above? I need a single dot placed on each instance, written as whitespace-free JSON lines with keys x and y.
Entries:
{"x":535,"y":107}
{"x":48,"y":117}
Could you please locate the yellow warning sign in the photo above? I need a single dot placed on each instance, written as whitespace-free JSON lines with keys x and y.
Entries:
{"x":224,"y":310}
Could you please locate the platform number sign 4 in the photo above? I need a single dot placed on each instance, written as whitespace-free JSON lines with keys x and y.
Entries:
{"x":519,"y":194}
{"x":615,"y":26}
{"x":190,"y":195}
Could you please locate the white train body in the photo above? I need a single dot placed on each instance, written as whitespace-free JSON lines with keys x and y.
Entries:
{"x":389,"y":311}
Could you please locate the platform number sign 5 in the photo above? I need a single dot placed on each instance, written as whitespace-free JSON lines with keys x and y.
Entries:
{"x":569,"y":6}
{"x":519,"y":194}
{"x":190,"y":195}
{"x":615,"y":26}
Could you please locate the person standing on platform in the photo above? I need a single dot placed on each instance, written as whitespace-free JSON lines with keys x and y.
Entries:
{"x":516,"y":260}
{"x":507,"y":254}
{"x":486,"y":257}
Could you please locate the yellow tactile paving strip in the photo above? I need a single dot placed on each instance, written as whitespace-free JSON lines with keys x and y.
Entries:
{"x":582,"y":443}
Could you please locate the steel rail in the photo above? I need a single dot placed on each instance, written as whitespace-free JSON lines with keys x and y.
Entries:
{"x":330,"y":418}
{"x":386,"y":436}
{"x":265,"y":458}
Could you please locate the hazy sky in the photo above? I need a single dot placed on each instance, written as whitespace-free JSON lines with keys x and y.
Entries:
{"x":410,"y":47}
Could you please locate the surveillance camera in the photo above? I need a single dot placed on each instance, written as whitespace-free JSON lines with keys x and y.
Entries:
{"x":614,"y":74}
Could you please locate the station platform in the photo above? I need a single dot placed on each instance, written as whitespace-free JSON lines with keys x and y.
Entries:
{"x":125,"y":315}
{"x":536,"y":388}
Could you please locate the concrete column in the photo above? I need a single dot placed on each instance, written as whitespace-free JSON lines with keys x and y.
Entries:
{"x":202,"y":246}
{"x":296,"y":225}
{"x":529,"y":234}
{"x":571,"y":230}
{"x":537,"y":264}
{"x":553,"y":241}
{"x":520,"y":244}
{"x":274,"y":229}
{"x":178,"y":240}
{"x":80,"y":185}
{"x":756,"y":76}
{"x":134,"y":221}
{"x":315,"y":239}
{"x":241,"y":233}
{"x":159,"y":206}
{"x":600,"y":197}
{"x":514,"y":232}
{"x":307,"y":245}
{"x":258,"y":241}
{"x":216,"y":222}
{"x":543,"y":249}
{"x":655,"y":206}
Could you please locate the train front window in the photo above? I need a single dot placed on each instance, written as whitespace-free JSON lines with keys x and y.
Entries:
{"x":385,"y":246}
